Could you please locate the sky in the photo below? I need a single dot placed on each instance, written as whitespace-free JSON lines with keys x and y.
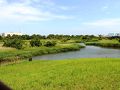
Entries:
{"x":60,"y":16}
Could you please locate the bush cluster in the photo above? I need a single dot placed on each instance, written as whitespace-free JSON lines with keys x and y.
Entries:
{"x":20,"y":44}
{"x":35,"y":43}
{"x":15,"y":43}
{"x":50,"y":43}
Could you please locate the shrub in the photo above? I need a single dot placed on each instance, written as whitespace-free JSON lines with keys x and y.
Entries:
{"x":15,"y":43}
{"x":1,"y":37}
{"x":35,"y":43}
{"x":119,"y":40}
{"x":65,"y":40}
{"x":50,"y":43}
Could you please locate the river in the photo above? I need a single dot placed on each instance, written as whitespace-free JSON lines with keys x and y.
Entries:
{"x":88,"y":52}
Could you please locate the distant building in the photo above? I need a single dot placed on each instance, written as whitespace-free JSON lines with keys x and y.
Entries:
{"x":11,"y":34}
{"x":113,"y":34}
{"x":117,"y":34}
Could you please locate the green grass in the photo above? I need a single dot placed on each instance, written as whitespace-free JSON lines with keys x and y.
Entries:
{"x":105,"y":43}
{"x":109,"y":41}
{"x":1,"y":42}
{"x":74,"y":74}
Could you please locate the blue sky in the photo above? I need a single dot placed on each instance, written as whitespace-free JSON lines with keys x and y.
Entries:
{"x":60,"y":16}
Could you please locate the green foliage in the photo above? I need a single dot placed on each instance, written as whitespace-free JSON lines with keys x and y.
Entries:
{"x":73,"y":74}
{"x":50,"y":43}
{"x":51,"y":36}
{"x":1,"y":37}
{"x":15,"y":37}
{"x":8,"y":37}
{"x":119,"y":40}
{"x":26,"y":44}
{"x":65,"y":40}
{"x":25,"y":37}
{"x":37,"y":36}
{"x":15,"y":43}
{"x":35,"y":43}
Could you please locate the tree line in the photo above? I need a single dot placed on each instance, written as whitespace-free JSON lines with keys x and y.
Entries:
{"x":50,"y":36}
{"x":34,"y":40}
{"x":57,"y":36}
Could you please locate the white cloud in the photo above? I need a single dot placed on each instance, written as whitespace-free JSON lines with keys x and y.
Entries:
{"x":102,"y":26}
{"x":64,"y":7}
{"x":105,"y":7}
{"x":24,"y":11}
{"x":104,"y":23}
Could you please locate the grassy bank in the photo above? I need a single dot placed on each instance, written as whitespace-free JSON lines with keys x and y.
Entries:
{"x":105,"y":43}
{"x":7,"y":55}
{"x":74,"y":74}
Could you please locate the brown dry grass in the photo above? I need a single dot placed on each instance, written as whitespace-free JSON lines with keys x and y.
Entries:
{"x":5,"y":48}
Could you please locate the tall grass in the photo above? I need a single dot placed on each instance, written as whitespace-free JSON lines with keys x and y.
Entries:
{"x":74,"y":74}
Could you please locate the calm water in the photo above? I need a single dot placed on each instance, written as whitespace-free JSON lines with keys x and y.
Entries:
{"x":88,"y":52}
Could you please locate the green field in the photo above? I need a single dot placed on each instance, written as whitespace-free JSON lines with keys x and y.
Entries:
{"x":73,"y":74}
{"x":105,"y":43}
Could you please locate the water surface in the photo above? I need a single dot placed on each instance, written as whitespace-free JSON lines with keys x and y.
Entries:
{"x":88,"y":52}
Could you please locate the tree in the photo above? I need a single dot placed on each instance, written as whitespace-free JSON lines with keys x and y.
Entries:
{"x":37,"y":36}
{"x":50,"y":43}
{"x":1,"y":37}
{"x":8,"y":36}
{"x":25,"y":37}
{"x":15,"y":37}
{"x":51,"y":36}
{"x":35,"y":43}
{"x":100,"y":37}
{"x":15,"y":43}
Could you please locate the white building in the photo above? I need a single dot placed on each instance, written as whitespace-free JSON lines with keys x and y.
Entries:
{"x":113,"y":34}
{"x":11,"y":34}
